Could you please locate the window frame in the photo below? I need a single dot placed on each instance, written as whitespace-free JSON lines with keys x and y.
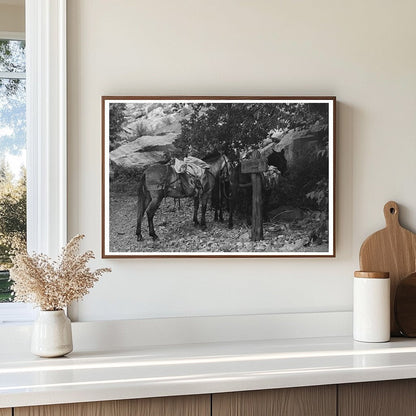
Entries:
{"x":46,"y":125}
{"x":46,"y":136}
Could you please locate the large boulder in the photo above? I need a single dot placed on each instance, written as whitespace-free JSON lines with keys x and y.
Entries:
{"x":152,"y":119}
{"x":144,"y":151}
{"x":147,"y":137}
{"x":299,"y":144}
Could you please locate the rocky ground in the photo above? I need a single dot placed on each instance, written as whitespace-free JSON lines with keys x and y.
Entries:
{"x":177,"y":233}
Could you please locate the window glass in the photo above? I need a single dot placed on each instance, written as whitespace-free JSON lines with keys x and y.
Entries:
{"x":12,"y":156}
{"x":12,"y":56}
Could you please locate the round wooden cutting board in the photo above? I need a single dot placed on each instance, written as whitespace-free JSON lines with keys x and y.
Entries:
{"x":393,"y":250}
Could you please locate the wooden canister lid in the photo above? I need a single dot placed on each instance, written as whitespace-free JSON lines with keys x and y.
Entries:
{"x":372,"y":275}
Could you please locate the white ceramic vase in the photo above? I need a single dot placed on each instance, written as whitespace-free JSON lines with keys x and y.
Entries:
{"x":52,"y":334}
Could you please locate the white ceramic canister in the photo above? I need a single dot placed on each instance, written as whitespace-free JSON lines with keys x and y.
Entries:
{"x":371,"y":322}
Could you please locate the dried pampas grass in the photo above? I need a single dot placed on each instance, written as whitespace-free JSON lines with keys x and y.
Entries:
{"x":53,"y":285}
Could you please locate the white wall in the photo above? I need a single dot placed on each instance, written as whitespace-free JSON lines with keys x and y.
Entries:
{"x":12,"y":17}
{"x":361,"y":51}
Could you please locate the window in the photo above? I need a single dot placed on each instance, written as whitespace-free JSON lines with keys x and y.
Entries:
{"x":12,"y":155}
{"x":46,"y":133}
{"x":12,"y":164}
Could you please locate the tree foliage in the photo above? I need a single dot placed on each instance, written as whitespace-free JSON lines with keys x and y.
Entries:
{"x":13,"y":142}
{"x":117,"y":118}
{"x":12,"y":213}
{"x":13,"y":115}
{"x":12,"y":59}
{"x":12,"y":97}
{"x":12,"y":55}
{"x":236,"y":128}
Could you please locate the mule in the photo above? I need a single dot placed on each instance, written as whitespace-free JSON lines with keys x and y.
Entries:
{"x":160,"y":181}
{"x":219,"y":199}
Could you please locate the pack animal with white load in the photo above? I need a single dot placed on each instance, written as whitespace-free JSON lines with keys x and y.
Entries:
{"x":190,"y":178}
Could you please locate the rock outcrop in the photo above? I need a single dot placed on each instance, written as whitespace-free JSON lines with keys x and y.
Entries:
{"x":148,"y":136}
{"x":298,"y":144}
{"x":144,"y":151}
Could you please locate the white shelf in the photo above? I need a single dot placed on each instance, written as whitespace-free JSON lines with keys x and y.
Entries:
{"x":150,"y":371}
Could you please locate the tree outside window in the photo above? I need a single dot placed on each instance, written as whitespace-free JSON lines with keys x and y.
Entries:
{"x":12,"y":156}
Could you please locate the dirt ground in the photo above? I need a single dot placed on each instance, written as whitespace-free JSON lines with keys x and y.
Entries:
{"x":177,"y":233}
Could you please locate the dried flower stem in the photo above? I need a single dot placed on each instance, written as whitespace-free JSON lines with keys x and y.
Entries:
{"x":53,"y":285}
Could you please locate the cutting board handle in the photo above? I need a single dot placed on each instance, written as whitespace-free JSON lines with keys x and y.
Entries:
{"x":391,"y":214}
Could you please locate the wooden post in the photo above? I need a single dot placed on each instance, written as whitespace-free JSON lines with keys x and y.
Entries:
{"x":255,"y":166}
{"x":257,"y":203}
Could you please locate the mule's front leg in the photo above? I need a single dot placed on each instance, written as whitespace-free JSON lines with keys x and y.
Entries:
{"x":196,"y":207}
{"x":231,"y":204}
{"x":152,"y":232}
{"x":154,"y":205}
{"x":230,"y":220}
{"x":139,"y":228}
{"x":221,"y":216}
{"x":142,"y":204}
{"x":220,"y":207}
{"x":204,"y":204}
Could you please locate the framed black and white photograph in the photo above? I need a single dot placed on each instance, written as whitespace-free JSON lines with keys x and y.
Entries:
{"x":218,"y":176}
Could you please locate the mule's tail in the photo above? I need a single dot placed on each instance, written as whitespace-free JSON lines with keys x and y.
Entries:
{"x":142,"y":203}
